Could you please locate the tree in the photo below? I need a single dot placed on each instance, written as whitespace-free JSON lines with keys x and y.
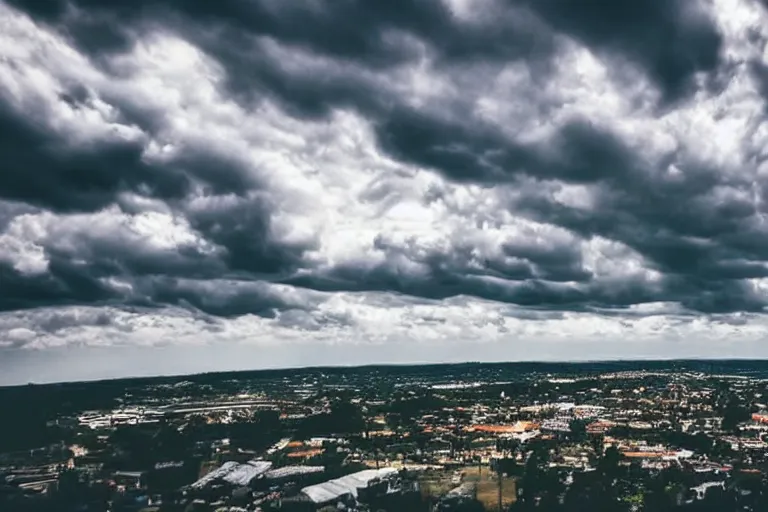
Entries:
{"x":597,"y":441}
{"x":733,"y":414}
{"x":578,"y":430}
{"x":532,"y":483}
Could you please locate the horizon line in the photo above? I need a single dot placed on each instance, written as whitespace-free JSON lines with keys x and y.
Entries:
{"x":385,"y":365}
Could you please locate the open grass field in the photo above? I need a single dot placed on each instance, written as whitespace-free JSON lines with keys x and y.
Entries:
{"x":436,"y":483}
{"x":488,"y":487}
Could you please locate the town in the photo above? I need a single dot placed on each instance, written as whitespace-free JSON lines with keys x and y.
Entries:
{"x":634,"y":436}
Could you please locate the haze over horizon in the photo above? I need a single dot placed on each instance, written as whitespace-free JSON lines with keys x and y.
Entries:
{"x":107,"y":372}
{"x":195,"y":186}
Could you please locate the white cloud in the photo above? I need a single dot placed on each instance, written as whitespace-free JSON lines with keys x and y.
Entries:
{"x":378,"y":319}
{"x":27,"y":237}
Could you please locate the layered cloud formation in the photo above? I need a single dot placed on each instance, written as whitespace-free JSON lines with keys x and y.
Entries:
{"x":476,"y":173}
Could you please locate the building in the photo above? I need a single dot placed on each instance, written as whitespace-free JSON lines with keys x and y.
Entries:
{"x":342,"y":489}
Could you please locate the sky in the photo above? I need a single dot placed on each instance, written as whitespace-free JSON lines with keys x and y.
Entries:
{"x":193,"y":186}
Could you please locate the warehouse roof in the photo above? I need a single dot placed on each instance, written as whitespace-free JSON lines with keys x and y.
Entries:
{"x":292,"y":471}
{"x":234,"y":473}
{"x":334,"y":489}
{"x":244,"y":473}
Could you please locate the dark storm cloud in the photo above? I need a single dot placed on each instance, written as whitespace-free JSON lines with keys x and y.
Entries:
{"x":760,"y":75}
{"x":696,"y":229}
{"x":113,"y":255}
{"x":69,"y":284}
{"x":70,"y":177}
{"x":80,"y":268}
{"x":441,"y":283}
{"x":461,"y":150}
{"x":703,"y":247}
{"x":664,"y":219}
{"x":553,"y":263}
{"x":222,"y":299}
{"x":64,"y":284}
{"x":531,"y":275}
{"x":53,"y":321}
{"x":520,"y":286}
{"x":578,"y":153}
{"x":715,"y":296}
{"x":40,"y":168}
{"x":242,"y":228}
{"x":670,"y":39}
{"x":358,"y":32}
{"x":352,"y":30}
{"x":453,"y":148}
{"x":521,"y":259}
{"x":220,"y":172}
